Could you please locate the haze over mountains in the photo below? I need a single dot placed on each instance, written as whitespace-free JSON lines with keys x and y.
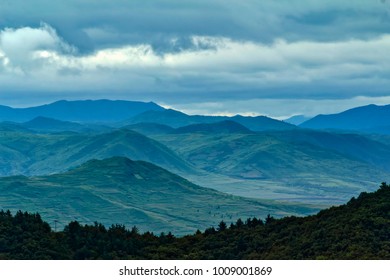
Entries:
{"x":256,"y":157}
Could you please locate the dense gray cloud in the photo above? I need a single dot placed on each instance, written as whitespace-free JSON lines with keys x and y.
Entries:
{"x":195,"y":52}
{"x":93,"y":24}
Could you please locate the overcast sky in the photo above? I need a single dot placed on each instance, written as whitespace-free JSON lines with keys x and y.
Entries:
{"x":268,"y":57}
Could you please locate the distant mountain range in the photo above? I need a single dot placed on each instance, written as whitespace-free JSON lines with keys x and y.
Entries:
{"x":340,"y":155}
{"x":121,"y":191}
{"x":370,"y":118}
{"x":109,"y":113}
{"x":80,"y":111}
{"x":121,"y":113}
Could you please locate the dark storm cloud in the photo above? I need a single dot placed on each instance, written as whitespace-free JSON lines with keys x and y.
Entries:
{"x":96,"y":24}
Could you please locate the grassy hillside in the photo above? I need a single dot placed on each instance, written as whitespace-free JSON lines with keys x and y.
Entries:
{"x":359,"y":229}
{"x":118,"y":190}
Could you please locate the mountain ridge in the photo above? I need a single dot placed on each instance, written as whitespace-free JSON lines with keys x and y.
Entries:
{"x":364,"y":118}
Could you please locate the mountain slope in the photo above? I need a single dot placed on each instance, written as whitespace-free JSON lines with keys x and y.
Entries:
{"x":360,"y":118}
{"x":81,"y":111}
{"x":118,"y":190}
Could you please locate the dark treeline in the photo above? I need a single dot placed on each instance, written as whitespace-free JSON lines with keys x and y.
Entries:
{"x":359,"y":229}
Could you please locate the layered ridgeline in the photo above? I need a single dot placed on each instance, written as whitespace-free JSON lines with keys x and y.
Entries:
{"x":247,"y":156}
{"x":358,"y":230}
{"x":322,"y":168}
{"x":119,"y":190}
{"x":371,"y":118}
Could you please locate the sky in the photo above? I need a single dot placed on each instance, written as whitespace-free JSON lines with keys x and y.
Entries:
{"x":252,"y":57}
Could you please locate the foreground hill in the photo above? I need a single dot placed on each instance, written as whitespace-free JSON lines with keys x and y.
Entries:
{"x":371,"y":118}
{"x":118,"y":190}
{"x":359,"y":229}
{"x":82,"y":111}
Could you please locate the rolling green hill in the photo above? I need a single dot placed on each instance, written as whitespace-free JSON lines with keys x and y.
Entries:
{"x":118,"y":190}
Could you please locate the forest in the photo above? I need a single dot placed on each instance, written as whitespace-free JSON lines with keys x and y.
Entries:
{"x":359,"y":229}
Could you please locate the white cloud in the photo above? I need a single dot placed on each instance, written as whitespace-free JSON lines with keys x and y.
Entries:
{"x":19,"y":46}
